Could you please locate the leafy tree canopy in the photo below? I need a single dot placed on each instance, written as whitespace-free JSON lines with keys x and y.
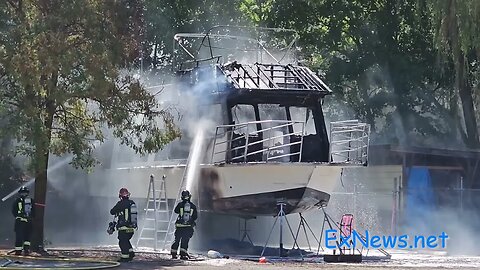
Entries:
{"x":66,"y":75}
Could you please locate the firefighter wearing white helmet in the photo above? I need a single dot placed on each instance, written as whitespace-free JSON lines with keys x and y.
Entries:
{"x":23,"y":212}
{"x":126,"y":212}
{"x":187,"y":214}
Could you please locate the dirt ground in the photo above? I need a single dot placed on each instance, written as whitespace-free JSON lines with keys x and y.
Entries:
{"x":148,"y":260}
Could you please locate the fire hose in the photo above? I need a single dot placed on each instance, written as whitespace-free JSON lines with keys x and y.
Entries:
{"x":39,"y":263}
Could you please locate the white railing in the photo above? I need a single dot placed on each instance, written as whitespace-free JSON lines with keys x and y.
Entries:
{"x":273,"y":141}
{"x":349,"y":142}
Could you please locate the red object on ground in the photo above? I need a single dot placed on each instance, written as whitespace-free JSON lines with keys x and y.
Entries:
{"x":262,"y":260}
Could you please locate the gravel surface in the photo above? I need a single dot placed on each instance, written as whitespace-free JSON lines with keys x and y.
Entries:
{"x":399,"y":260}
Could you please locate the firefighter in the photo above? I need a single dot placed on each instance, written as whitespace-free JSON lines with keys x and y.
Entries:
{"x":187,"y":214}
{"x":126,"y":212}
{"x":23,"y":212}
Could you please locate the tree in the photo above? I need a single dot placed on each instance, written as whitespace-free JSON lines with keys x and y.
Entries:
{"x":165,"y":18}
{"x":457,"y":37}
{"x":378,"y":57}
{"x":65,"y":75}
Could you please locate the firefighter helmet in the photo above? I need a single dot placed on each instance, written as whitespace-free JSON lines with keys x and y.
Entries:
{"x":123,"y":193}
{"x":186,"y":195}
{"x":24,"y":189}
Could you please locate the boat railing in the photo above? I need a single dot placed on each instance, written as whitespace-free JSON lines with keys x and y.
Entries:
{"x":272,"y":76}
{"x":259,"y":141}
{"x":349,"y":142}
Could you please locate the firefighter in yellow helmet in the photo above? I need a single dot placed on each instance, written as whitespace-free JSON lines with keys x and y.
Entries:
{"x":187,"y":214}
{"x":126,"y":212}
{"x":23,"y":212}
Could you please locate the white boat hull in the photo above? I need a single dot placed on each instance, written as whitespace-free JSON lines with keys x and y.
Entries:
{"x":245,"y":189}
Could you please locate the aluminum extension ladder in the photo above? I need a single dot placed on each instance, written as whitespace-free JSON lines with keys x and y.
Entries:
{"x":155,"y":223}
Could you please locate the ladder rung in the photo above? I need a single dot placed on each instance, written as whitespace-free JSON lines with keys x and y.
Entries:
{"x":160,"y":210}
{"x":146,"y":238}
{"x":160,"y":221}
{"x":153,"y":229}
{"x":159,"y":200}
{"x":152,"y":204}
{"x":158,"y":231}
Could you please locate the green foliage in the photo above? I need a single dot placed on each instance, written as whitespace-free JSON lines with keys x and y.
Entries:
{"x":257,"y":10}
{"x":456,"y":37}
{"x":381,"y":60}
{"x":165,"y":18}
{"x":467,"y":12}
{"x":10,"y":174}
{"x":65,"y":77}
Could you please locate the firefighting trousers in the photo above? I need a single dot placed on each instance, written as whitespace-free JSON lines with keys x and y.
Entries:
{"x":23,"y":230}
{"x":182,"y":236}
{"x":124,"y":243}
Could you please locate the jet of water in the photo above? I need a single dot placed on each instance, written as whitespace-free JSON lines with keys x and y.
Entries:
{"x":32,"y":180}
{"x":196,"y":155}
{"x":54,"y":167}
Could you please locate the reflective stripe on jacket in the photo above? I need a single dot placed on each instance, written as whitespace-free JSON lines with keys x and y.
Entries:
{"x":23,"y":209}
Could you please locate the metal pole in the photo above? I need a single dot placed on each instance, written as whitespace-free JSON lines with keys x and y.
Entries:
{"x":302,"y":220}
{"x":330,"y":158}
{"x":393,"y":227}
{"x":152,"y":180}
{"x":301,"y":142}
{"x":355,"y":200}
{"x":461,"y":193}
{"x":299,"y":225}
{"x":269,"y":234}
{"x":321,"y":235}
{"x":281,"y":214}
{"x":246,"y":145}
{"x":214,"y":143}
{"x":295,"y":242}
{"x":269,"y":142}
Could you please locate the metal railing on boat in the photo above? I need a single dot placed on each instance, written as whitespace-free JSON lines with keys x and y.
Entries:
{"x":244,"y":142}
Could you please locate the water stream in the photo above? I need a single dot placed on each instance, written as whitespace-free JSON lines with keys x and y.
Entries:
{"x":196,"y":156}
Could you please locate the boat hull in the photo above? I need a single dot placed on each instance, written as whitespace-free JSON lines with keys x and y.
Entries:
{"x":268,"y":203}
{"x":246,"y":189}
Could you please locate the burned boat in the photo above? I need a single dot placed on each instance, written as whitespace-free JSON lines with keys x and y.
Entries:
{"x":264,"y":152}
{"x":269,"y":142}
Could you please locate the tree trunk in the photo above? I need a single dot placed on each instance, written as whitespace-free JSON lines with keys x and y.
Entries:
{"x":462,"y":80}
{"x":466,"y":97}
{"x":41,"y":168}
{"x":40,"y":198}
